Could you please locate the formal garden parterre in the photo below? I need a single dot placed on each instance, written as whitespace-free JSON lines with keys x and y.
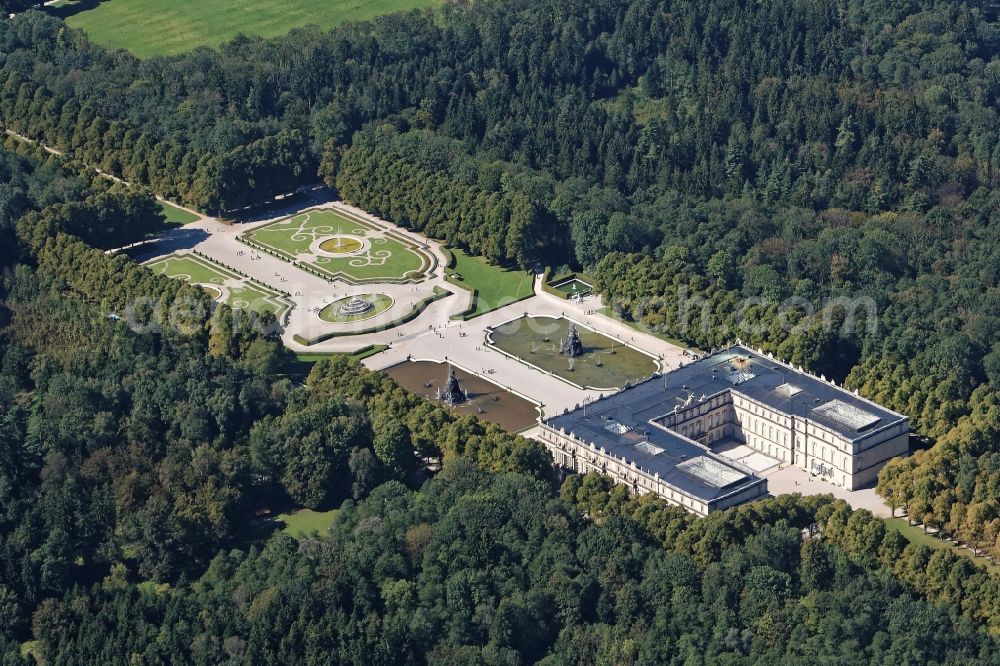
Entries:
{"x":223,"y":284}
{"x":338,"y":246}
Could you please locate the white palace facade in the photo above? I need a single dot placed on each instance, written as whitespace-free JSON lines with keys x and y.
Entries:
{"x":658,"y":436}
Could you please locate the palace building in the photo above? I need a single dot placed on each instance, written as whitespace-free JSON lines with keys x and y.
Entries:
{"x":659,"y":435}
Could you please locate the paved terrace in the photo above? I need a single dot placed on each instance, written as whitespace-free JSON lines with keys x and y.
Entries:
{"x":430,"y":336}
{"x":434,"y":336}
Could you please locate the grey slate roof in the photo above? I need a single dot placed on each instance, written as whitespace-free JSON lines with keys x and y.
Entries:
{"x":710,"y":375}
{"x":634,"y":407}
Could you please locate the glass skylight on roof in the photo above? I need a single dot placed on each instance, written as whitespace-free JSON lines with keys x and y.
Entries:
{"x":711,"y":471}
{"x":788,"y":390}
{"x":616,"y":427}
{"x":740,"y":376}
{"x":849,"y":416}
{"x":650,"y":448}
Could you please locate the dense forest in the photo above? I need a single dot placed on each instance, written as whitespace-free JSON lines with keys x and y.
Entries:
{"x":477,"y":568}
{"x":767,"y":171}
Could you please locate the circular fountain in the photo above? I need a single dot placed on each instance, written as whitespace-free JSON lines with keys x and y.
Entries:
{"x":354,"y":307}
{"x":341,"y":245}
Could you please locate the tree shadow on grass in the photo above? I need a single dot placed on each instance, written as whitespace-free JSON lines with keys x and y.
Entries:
{"x":290,"y":204}
{"x":177,"y":239}
{"x":73,"y":8}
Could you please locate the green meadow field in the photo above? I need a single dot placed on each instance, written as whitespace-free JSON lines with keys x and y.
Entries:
{"x":153,"y":27}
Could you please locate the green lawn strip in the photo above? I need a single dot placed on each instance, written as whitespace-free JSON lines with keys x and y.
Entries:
{"x":494,"y":286}
{"x":357,"y":355}
{"x":302,"y":364}
{"x":916,"y":534}
{"x":149,"y":27}
{"x":176,"y":215}
{"x":362,"y":354}
{"x":306,"y":521}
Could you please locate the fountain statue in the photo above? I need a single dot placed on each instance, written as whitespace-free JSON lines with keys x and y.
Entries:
{"x":572,"y":346}
{"x":452,"y":394}
{"x":355,"y":306}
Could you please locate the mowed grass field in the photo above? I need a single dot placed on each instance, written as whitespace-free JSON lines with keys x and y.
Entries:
{"x":303,"y":522}
{"x":495,"y":286}
{"x":154,"y":27}
{"x":916,"y":534}
{"x":295,"y":235}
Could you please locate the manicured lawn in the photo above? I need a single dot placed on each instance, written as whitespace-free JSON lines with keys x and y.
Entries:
{"x":915,"y":534}
{"x":239,"y":291}
{"x":357,"y":356}
{"x":305,"y":521}
{"x":176,"y":215}
{"x":384,"y":256}
{"x":154,"y":27}
{"x":193,"y":269}
{"x":495,"y":286}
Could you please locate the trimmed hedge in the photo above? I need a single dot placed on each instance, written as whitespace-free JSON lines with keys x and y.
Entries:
{"x":548,"y":279}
